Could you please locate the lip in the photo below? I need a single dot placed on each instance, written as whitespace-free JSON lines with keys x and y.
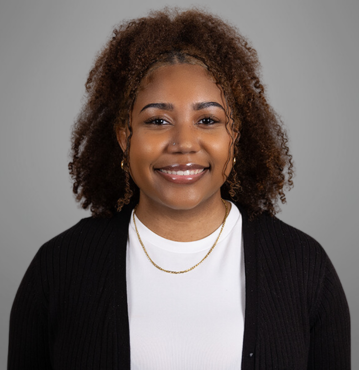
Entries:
{"x":188,"y":173}
{"x":182,"y":167}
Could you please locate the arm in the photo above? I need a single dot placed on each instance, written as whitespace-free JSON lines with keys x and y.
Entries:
{"x":330,"y":326}
{"x":28,"y":343}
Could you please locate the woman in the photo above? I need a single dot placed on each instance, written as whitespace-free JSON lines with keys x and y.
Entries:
{"x":183,"y":264}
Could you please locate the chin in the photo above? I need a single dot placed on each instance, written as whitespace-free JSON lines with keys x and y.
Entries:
{"x":179,"y":205}
{"x":183,"y":202}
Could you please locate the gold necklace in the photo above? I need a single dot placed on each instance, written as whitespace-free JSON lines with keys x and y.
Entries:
{"x":183,"y":271}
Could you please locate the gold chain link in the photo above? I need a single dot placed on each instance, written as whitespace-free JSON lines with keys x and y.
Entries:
{"x":182,"y":272}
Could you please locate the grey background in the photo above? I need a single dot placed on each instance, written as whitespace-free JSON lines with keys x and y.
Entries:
{"x":310,"y":58}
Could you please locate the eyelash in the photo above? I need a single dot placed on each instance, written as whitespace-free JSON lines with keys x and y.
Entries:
{"x":214,"y":120}
{"x":151,"y":121}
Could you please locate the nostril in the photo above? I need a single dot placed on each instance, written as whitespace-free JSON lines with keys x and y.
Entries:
{"x":183,"y":144}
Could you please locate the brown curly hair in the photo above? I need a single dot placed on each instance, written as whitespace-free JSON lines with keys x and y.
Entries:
{"x":264,"y":167}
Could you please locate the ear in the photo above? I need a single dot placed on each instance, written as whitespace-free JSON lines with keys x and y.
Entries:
{"x":122,"y":138}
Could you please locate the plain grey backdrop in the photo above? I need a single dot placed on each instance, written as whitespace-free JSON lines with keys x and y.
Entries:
{"x":309,"y":55}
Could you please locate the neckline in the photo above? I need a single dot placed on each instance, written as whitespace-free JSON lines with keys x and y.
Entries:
{"x":154,"y":240}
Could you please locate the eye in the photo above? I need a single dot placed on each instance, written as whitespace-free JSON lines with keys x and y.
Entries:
{"x":208,"y":121}
{"x":156,"y":121}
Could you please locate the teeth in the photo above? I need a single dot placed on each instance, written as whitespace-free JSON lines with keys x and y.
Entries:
{"x":183,"y":173}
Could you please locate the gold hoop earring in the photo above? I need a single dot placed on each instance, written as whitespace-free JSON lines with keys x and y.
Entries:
{"x":234,"y":161}
{"x":122,"y":164}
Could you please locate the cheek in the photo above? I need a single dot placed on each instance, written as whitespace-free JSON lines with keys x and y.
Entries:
{"x":145,"y":147}
{"x":220,"y":155}
{"x":220,"y":148}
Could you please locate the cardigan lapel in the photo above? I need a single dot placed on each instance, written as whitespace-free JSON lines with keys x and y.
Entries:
{"x":249,"y":229}
{"x":122,"y":333}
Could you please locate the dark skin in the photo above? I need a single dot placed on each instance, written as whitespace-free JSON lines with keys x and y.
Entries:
{"x":264,"y":168}
{"x":179,"y":104}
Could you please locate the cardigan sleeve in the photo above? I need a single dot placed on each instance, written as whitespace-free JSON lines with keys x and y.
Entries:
{"x":330,"y":327}
{"x":28,"y":343}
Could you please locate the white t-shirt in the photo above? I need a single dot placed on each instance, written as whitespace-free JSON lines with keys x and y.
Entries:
{"x":186,"y":321}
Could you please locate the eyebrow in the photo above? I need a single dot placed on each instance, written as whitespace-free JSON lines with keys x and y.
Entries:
{"x":162,"y":106}
{"x":203,"y":105}
{"x":169,"y":106}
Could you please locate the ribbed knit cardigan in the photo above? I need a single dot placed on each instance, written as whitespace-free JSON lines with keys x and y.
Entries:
{"x":70,"y":311}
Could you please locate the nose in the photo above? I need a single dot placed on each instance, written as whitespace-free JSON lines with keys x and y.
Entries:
{"x":185,"y":139}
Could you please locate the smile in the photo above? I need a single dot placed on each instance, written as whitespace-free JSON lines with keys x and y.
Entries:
{"x":182,"y":174}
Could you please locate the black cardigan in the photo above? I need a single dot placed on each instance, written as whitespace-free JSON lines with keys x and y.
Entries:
{"x":70,"y":311}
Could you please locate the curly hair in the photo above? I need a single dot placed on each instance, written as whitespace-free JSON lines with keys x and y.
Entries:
{"x":264,"y":167}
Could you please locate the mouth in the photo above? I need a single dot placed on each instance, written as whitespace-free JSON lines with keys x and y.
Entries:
{"x":182,"y":173}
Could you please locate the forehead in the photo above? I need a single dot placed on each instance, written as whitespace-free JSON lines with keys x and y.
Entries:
{"x":179,"y":81}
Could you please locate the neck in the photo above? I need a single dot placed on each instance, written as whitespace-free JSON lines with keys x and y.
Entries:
{"x":182,"y":225}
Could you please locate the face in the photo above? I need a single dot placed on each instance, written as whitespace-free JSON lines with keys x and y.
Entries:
{"x":180,"y":145}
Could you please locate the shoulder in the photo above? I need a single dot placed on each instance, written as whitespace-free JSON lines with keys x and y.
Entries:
{"x":276,"y":236}
{"x":296,"y":251}
{"x":281,"y":253}
{"x":306,"y":262}
{"x":89,"y":232}
{"x":288,"y":260}
{"x":84,"y":251}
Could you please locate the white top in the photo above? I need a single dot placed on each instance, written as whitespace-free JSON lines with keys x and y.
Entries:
{"x":187,"y":321}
